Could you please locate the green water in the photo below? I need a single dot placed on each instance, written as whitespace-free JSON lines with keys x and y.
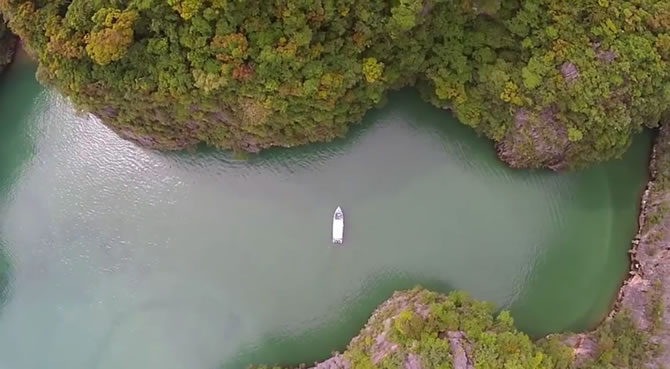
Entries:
{"x":121,"y":257}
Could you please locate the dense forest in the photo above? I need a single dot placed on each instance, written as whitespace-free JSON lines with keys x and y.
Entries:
{"x":554,"y":83}
{"x":418,"y":329}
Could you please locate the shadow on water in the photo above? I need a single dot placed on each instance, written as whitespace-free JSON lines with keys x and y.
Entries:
{"x":304,"y":155}
{"x":387,"y":139}
{"x":622,"y":169}
{"x":440,"y":126}
{"x":472,"y":154}
{"x":614,"y":191}
{"x":282,"y":155}
{"x":18,"y":91}
{"x":328,"y":338}
{"x":437,"y":126}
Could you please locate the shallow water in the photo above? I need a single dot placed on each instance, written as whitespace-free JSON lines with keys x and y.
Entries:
{"x":120,"y":257}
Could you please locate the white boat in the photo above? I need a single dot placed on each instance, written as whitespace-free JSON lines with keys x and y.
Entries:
{"x":338,"y":226}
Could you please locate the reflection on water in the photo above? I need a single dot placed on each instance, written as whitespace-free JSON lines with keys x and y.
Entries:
{"x":124,"y":257}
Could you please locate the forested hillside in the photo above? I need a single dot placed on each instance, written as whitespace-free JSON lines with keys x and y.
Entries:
{"x":555,"y":83}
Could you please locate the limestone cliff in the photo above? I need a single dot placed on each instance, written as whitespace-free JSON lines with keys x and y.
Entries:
{"x":645,"y":295}
{"x":7,"y":45}
{"x":418,"y":329}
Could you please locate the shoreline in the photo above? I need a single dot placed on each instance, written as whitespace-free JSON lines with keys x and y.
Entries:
{"x":633,"y":265}
{"x":634,"y":268}
{"x":643,"y":297}
{"x":21,"y":55}
{"x":645,"y":293}
{"x":638,"y":287}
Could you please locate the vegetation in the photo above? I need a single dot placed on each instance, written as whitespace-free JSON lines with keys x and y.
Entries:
{"x":656,"y":308}
{"x":621,"y":345}
{"x":421,"y":329}
{"x":559,"y":82}
{"x":555,"y":82}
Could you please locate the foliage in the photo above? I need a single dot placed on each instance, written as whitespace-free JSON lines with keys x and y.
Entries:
{"x":427,"y":326}
{"x":655,"y":306}
{"x":599,"y":70}
{"x":372,"y":69}
{"x":244,"y":74}
{"x":621,"y":345}
{"x":114,"y":35}
{"x":249,"y":74}
{"x":433,"y":330}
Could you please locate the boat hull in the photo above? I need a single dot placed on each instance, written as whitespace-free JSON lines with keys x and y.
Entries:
{"x":338,"y":226}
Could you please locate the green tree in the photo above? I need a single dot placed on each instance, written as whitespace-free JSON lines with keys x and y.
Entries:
{"x":555,"y":83}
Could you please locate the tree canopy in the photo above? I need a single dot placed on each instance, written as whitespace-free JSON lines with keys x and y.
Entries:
{"x":420,"y":329}
{"x":554,"y":82}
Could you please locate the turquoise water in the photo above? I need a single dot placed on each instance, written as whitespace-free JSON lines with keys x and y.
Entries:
{"x":120,"y":257}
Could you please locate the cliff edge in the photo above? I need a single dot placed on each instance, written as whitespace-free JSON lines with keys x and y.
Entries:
{"x":645,"y":295}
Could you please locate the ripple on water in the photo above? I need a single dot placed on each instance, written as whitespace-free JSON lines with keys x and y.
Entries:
{"x":124,"y":257}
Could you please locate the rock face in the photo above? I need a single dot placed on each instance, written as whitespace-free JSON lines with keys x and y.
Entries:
{"x":419,"y":329}
{"x":379,"y":327}
{"x":645,"y":295}
{"x":584,"y":347}
{"x":460,"y":350}
{"x":379,"y":330}
{"x":7,"y":45}
{"x":336,"y":362}
{"x":643,"y":300}
{"x":537,"y":140}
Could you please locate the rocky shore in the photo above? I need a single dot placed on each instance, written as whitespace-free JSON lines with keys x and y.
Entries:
{"x":8,"y":45}
{"x":645,"y":294}
{"x":640,"y":307}
{"x":419,"y":329}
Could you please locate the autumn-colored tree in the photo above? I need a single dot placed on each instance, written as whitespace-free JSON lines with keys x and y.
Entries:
{"x":111,"y":36}
{"x":555,"y":83}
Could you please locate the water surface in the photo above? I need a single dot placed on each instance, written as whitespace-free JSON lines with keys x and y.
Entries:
{"x":120,"y":257}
